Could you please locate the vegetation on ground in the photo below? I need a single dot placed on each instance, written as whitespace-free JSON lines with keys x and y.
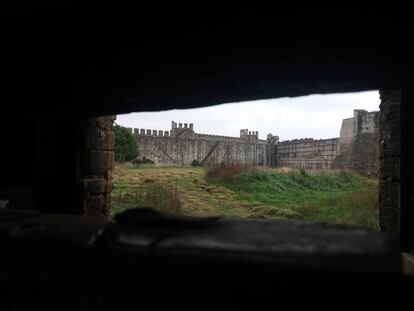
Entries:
{"x":241,"y":191}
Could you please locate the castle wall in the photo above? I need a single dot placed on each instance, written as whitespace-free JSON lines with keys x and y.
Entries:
{"x":307,"y":154}
{"x":359,"y":143}
{"x":184,"y":148}
{"x":356,"y":148}
{"x":346,"y":136}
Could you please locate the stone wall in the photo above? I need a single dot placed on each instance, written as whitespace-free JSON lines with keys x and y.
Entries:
{"x":389,"y":172}
{"x":359,"y":143}
{"x":181,"y":146}
{"x":356,"y":148}
{"x":307,"y":153}
{"x":97,"y":154}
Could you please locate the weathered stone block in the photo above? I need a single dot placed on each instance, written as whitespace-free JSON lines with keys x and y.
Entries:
{"x":105,"y":122}
{"x":389,"y":186}
{"x":94,"y":206}
{"x":96,"y":138}
{"x":98,"y":162}
{"x":108,"y":188}
{"x":390,"y":169}
{"x":107,"y":206}
{"x":95,"y":186}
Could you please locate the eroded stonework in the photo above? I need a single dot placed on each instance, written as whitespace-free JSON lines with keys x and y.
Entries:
{"x":359,"y":143}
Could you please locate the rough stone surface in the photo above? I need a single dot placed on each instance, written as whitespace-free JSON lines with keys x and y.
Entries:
{"x":94,"y":206}
{"x":359,"y":143}
{"x":97,"y":154}
{"x":97,"y":162}
{"x":181,"y":146}
{"x":389,"y":177}
{"x":307,"y":154}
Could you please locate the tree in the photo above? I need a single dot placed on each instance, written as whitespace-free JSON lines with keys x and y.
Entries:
{"x":126,"y":146}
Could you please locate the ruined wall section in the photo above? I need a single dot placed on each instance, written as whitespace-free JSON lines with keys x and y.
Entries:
{"x":359,"y":143}
{"x":389,"y":163}
{"x":346,"y":136}
{"x":309,"y":154}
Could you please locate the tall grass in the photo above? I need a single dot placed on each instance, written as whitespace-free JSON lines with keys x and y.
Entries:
{"x":154,"y":195}
{"x":328,"y":197}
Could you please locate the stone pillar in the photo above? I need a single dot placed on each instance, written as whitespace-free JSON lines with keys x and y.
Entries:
{"x":389,"y":167}
{"x":97,"y":163}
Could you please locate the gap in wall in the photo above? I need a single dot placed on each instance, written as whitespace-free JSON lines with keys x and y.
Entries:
{"x":311,"y":158}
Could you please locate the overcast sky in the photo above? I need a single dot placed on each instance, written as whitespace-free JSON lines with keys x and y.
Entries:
{"x":313,"y":116}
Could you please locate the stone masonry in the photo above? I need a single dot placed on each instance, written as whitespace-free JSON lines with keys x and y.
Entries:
{"x":359,"y":143}
{"x":97,"y":154}
{"x":181,"y":146}
{"x":356,"y":148}
{"x":389,"y":177}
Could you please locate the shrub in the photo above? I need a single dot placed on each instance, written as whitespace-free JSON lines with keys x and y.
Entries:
{"x":195,"y":163}
{"x":226,"y":169}
{"x":126,"y":147}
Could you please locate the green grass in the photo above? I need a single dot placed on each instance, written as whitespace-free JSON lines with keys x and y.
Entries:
{"x":339,"y":198}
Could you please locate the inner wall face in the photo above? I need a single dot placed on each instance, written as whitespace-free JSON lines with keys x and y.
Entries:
{"x":313,"y":158}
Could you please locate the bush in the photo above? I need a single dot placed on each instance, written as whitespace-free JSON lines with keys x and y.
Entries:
{"x":226,"y":169}
{"x":126,"y":147}
{"x":195,"y":163}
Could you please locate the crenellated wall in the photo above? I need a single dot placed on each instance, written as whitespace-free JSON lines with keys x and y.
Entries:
{"x":181,"y":146}
{"x":356,"y":148}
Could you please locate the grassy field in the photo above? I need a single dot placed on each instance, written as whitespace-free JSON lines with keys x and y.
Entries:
{"x":337,"y":197}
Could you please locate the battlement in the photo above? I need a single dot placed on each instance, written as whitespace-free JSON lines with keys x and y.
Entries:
{"x":189,"y":126}
{"x":182,"y":130}
{"x":149,"y":132}
{"x":225,"y":138}
{"x":364,"y":121}
{"x":250,"y":135}
{"x":186,"y":130}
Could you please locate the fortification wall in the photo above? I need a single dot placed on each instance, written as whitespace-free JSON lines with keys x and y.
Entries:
{"x":356,"y":148}
{"x":307,"y":153}
{"x":182,"y":147}
{"x":346,"y":136}
{"x":359,"y":143}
